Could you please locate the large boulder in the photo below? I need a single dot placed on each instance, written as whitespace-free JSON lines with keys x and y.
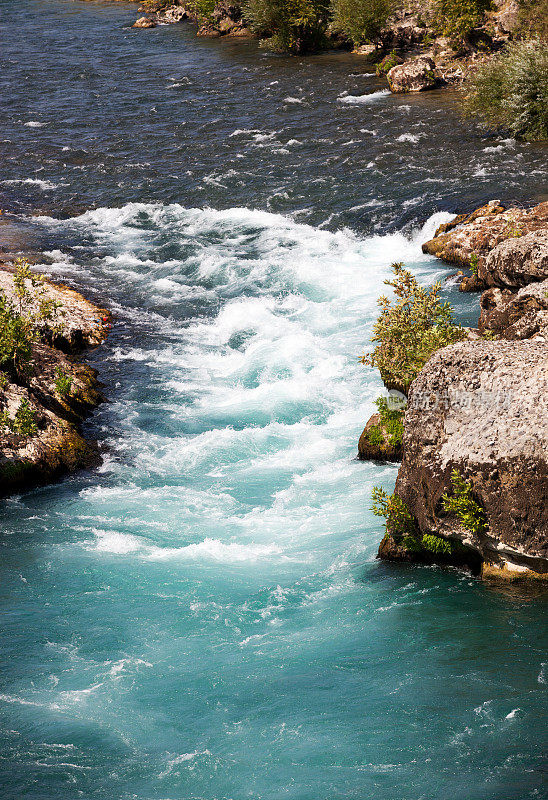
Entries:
{"x":482,"y":408}
{"x":416,"y":75}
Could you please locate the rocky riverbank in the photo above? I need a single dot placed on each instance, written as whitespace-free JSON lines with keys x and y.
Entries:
{"x":417,"y":49}
{"x":45,"y":390}
{"x":474,"y":471}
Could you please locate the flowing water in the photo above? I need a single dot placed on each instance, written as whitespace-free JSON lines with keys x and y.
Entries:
{"x":203,"y":615}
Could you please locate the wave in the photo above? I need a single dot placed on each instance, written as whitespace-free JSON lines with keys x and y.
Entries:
{"x":361,"y":99}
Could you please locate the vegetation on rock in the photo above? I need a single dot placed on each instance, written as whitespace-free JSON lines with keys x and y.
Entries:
{"x":22,"y":320}
{"x":410,"y":330}
{"x":462,"y":503}
{"x":399,"y":520}
{"x":391,"y":424}
{"x":510,"y":91}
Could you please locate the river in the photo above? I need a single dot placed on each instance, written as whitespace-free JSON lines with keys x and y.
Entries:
{"x":202,"y":617}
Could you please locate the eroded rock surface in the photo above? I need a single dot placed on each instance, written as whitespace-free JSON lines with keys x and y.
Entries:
{"x":475,"y":235}
{"x":519,"y":315}
{"x":481,"y":408}
{"x":55,"y":445}
{"x":416,"y":75}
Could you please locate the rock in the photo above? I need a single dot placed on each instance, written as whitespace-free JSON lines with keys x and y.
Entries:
{"x":413,"y":76}
{"x":56,"y":446}
{"x":481,"y":408}
{"x":226,"y":20}
{"x":83,"y":324}
{"x":520,"y":315}
{"x":144,"y":22}
{"x":366,"y":50}
{"x":471,"y":283}
{"x":517,"y":261}
{"x":385,"y":65}
{"x":371,"y":448}
{"x":476,"y":234}
{"x":173,"y":15}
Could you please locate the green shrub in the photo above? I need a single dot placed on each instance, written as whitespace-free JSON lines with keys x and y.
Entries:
{"x":25,"y":318}
{"x":24,"y":423}
{"x":462,"y":503}
{"x":510,"y":92}
{"x":391,"y":421}
{"x":409,"y":330}
{"x":362,"y":20}
{"x":389,"y":61}
{"x":63,"y":383}
{"x":375,"y":435}
{"x":289,"y":26}
{"x":457,"y":18}
{"x":474,"y":264}
{"x":16,"y":337}
{"x":436,"y":545}
{"x":3,"y":380}
{"x":203,"y":8}
{"x":399,"y":520}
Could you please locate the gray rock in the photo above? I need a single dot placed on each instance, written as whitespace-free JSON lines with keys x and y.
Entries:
{"x":517,"y":261}
{"x":413,"y":76}
{"x":481,"y":408}
{"x":520,"y":315}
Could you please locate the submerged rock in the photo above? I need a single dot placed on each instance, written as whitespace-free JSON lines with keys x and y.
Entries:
{"x":481,"y":408}
{"x":416,"y":75}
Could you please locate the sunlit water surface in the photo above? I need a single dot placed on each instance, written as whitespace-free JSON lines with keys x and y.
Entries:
{"x":203,"y":616}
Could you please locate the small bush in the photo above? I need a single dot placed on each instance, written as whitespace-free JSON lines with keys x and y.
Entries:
{"x":16,"y":337}
{"x":410,"y":330}
{"x":399,"y":520}
{"x":63,"y":383}
{"x":510,"y":92}
{"x":462,"y":503}
{"x":361,"y":20}
{"x":375,"y":436}
{"x":474,"y":264}
{"x":24,"y":423}
{"x":389,"y":61}
{"x":289,"y":26}
{"x":436,"y":545}
{"x":391,"y":421}
{"x":3,"y":380}
{"x":203,"y":8}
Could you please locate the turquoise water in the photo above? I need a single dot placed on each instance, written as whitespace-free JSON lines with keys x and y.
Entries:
{"x":203,"y":616}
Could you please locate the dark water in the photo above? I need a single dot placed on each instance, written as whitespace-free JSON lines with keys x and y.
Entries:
{"x":203,"y":616}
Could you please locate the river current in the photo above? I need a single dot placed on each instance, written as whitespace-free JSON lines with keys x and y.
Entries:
{"x":202,"y":617}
